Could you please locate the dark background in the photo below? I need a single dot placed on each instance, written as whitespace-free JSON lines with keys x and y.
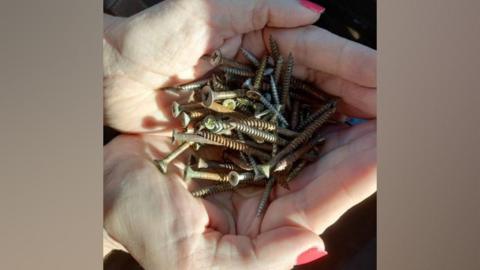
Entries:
{"x":351,"y":242}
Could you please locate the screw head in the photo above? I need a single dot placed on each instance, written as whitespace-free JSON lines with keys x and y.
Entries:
{"x":233,"y":178}
{"x":230,"y":104}
{"x":162,"y":165}
{"x":216,"y":58}
{"x":176,"y":109}
{"x":185,"y":119}
{"x":209,"y":122}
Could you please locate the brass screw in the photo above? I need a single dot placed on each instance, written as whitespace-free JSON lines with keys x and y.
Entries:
{"x":257,"y":82}
{"x":208,"y":164}
{"x":187,"y":117}
{"x":209,"y":96}
{"x":239,"y":162}
{"x":212,"y":176}
{"x":274,"y":47}
{"x":162,"y":164}
{"x":229,"y":103}
{"x":211,"y":190}
{"x":257,"y":133}
{"x":278,"y":68}
{"x":188,"y":137}
{"x":232,"y":144}
{"x":179,"y":108}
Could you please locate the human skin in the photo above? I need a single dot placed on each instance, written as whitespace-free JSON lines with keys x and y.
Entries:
{"x":153,"y":215}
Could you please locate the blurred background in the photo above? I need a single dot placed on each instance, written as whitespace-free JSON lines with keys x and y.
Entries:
{"x":351,"y":242}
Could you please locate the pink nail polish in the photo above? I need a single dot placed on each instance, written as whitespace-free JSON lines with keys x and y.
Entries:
{"x":310,"y":255}
{"x":312,"y":6}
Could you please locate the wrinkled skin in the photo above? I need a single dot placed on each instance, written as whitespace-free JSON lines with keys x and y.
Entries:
{"x":153,"y":215}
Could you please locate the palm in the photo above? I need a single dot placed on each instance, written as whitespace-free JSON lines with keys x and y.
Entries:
{"x":344,"y":176}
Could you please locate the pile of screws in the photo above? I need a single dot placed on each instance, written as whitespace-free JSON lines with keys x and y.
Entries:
{"x":265,"y":121}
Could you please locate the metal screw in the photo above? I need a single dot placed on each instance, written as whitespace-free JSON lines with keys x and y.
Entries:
{"x":232,"y":144}
{"x":262,"y":205}
{"x":250,"y":57}
{"x":255,"y":95}
{"x":217,"y":59}
{"x":212,"y":176}
{"x":304,"y":136}
{"x":162,"y":164}
{"x":179,"y":108}
{"x":234,"y":177}
{"x":257,"y":82}
{"x":286,"y":81}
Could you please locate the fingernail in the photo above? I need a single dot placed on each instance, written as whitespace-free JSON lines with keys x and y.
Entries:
{"x":312,"y":6}
{"x":310,"y":255}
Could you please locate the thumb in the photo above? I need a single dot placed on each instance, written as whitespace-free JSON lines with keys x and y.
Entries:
{"x":288,"y":246}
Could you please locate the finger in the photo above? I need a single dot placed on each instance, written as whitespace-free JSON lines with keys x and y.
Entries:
{"x":321,"y":50}
{"x":276,"y":249}
{"x":239,"y":17}
{"x":345,"y":180}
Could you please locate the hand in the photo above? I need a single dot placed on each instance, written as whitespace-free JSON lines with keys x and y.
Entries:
{"x":161,"y":47}
{"x":164,"y":227}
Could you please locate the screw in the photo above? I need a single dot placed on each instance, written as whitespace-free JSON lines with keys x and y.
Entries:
{"x":262,"y":205}
{"x":217,"y":84}
{"x":248,"y":158}
{"x":232,"y":144}
{"x":258,"y":81}
{"x":191,"y":86}
{"x":286,"y":81}
{"x":208,"y":164}
{"x":179,"y":108}
{"x":292,"y":157}
{"x":186,"y":137}
{"x":274,"y":89}
{"x":234,"y":177}
{"x":256,"y":95}
{"x":295,"y":114}
{"x":211,"y":190}
{"x":250,"y":57}
{"x":162,"y":164}
{"x":297,"y":84}
{"x":237,"y":71}
{"x":274,"y":47}
{"x":301,"y":138}
{"x":209,"y":96}
{"x":187,"y":117}
{"x":217,"y":59}
{"x":239,"y":162}
{"x":316,"y":114}
{"x":230,"y":104}
{"x":212,"y":176}
{"x":278,"y":68}
{"x":257,"y":133}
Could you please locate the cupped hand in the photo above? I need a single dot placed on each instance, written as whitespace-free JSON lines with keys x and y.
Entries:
{"x":164,"y":227}
{"x":163,"y":45}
